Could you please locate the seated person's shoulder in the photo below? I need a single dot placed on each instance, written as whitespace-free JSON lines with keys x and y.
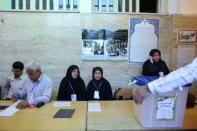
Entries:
{"x":47,"y":79}
{"x":163,"y":62}
{"x":10,"y":78}
{"x":24,"y":77}
{"x":106,"y":81}
{"x":147,"y":62}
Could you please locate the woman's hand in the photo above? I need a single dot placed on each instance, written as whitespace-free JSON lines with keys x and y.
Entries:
{"x":151,"y":59}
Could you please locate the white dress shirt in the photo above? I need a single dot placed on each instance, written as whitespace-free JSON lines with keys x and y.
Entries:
{"x":175,"y":79}
{"x":39,"y":91}
{"x":13,"y":85}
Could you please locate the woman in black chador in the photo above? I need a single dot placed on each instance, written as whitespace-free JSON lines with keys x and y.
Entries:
{"x":72,"y":86}
{"x":99,"y":88}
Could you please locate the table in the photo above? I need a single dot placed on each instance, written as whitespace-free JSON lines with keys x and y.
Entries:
{"x":190,"y":120}
{"x":42,"y":118}
{"x":114,"y":115}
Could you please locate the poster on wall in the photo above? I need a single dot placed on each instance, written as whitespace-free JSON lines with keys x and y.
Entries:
{"x":104,"y":44}
{"x":143,"y":37}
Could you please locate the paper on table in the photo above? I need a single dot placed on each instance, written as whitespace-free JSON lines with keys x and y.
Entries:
{"x":10,"y":111}
{"x":61,"y":104}
{"x":94,"y":107}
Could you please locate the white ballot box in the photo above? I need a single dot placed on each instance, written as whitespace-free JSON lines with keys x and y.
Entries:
{"x":162,"y":110}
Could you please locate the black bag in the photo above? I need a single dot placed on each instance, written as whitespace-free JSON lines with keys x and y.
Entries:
{"x":190,"y":100}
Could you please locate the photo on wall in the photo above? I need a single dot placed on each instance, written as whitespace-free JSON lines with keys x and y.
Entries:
{"x":187,"y":36}
{"x":104,"y":44}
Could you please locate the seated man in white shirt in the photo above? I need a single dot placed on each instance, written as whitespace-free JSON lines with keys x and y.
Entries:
{"x":175,"y":79}
{"x":37,"y":89}
{"x":16,"y":82}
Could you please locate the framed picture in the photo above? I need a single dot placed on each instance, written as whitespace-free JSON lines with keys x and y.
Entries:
{"x":187,"y":36}
{"x":104,"y":44}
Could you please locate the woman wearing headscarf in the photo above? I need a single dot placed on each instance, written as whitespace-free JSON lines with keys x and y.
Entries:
{"x":72,"y":86}
{"x":155,"y":66}
{"x":99,"y":88}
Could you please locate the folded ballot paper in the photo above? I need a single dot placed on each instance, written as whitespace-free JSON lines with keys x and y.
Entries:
{"x":10,"y":111}
{"x":94,"y":107}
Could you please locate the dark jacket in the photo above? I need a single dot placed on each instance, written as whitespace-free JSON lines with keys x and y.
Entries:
{"x":104,"y":88}
{"x":153,"y":69}
{"x":69,"y":86}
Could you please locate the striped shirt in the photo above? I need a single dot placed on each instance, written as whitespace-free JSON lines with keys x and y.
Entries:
{"x":175,"y":79}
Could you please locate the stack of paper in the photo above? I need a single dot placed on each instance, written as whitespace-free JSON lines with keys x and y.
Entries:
{"x":11,"y":110}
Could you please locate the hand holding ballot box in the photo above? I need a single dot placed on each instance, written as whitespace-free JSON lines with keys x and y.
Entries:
{"x":164,"y":110}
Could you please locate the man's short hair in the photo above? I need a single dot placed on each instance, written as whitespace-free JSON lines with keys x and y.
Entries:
{"x":33,"y":66}
{"x":18,"y":65}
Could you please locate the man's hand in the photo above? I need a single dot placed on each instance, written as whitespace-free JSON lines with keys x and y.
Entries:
{"x":13,"y":98}
{"x":22,"y":104}
{"x":140,"y":93}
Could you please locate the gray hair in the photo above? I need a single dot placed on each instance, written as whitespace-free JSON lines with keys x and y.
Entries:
{"x":33,"y":66}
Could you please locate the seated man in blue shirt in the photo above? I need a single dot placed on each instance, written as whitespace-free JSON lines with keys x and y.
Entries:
{"x":37,"y":89}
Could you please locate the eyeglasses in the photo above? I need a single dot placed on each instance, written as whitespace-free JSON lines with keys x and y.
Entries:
{"x":16,"y":70}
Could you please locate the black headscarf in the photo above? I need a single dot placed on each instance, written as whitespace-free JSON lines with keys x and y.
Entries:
{"x":97,"y":82}
{"x":69,"y":73}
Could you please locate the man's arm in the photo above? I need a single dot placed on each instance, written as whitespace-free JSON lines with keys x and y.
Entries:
{"x":46,"y":95}
{"x":175,"y":79}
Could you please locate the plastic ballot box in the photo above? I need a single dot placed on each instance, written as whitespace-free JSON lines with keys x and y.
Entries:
{"x":165,"y":110}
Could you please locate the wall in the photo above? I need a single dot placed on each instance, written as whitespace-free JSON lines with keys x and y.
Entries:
{"x":53,"y":39}
{"x":182,"y":6}
{"x":180,"y":22}
{"x":188,"y":7}
{"x":173,"y":6}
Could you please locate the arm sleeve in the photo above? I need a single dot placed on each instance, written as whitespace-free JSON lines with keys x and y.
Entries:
{"x":175,"y":79}
{"x":84,"y":92}
{"x":62,"y":91}
{"x":46,"y":95}
{"x":22,"y":94}
{"x":89,"y":92}
{"x":109,"y":95}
